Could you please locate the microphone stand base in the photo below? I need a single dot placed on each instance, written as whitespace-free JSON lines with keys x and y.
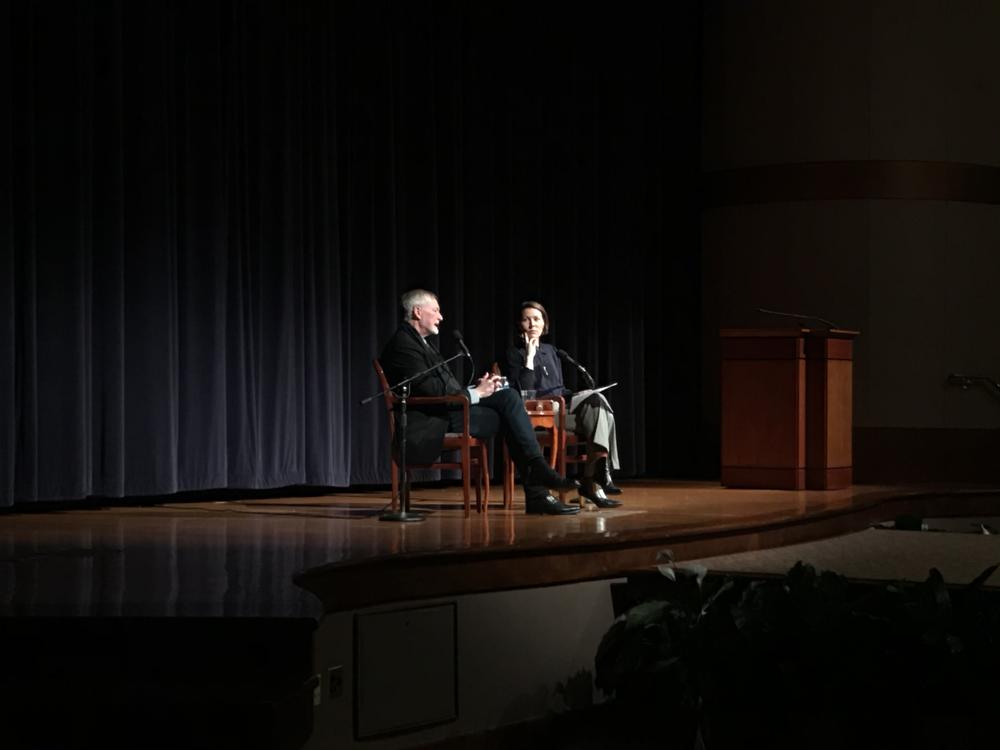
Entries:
{"x":404,"y":516}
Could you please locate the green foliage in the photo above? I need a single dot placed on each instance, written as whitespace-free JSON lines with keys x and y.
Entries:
{"x":810,"y":643}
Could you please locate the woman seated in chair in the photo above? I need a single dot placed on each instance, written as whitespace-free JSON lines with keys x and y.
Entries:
{"x":535,"y":366}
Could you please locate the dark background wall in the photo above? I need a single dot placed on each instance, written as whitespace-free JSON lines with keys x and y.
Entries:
{"x":852,"y":171}
{"x":208,"y":211}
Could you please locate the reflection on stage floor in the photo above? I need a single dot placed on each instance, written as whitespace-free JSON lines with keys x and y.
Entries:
{"x":301,"y":555}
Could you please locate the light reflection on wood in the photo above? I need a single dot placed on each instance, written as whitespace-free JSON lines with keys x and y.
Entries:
{"x":244,"y":558}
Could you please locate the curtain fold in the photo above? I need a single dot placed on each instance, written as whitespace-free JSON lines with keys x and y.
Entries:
{"x":208,"y":211}
{"x":9,"y":418}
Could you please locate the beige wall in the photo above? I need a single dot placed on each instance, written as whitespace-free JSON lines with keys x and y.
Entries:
{"x":790,"y":81}
{"x":520,"y":655}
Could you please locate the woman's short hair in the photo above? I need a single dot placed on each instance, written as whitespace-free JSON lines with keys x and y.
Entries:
{"x":530,"y":303}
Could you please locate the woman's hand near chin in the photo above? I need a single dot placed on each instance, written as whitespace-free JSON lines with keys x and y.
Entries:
{"x":530,"y":348}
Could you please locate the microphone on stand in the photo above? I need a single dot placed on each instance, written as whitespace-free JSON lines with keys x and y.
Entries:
{"x":465,"y":350}
{"x":583,"y":370}
{"x":458,"y":337}
{"x":402,"y":391}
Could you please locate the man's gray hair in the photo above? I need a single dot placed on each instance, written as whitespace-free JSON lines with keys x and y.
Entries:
{"x":412,"y":298}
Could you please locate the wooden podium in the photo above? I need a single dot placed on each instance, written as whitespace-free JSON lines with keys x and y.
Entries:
{"x":786,"y":408}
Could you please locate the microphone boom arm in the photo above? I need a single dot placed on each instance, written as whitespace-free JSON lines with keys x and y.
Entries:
{"x":407,"y":381}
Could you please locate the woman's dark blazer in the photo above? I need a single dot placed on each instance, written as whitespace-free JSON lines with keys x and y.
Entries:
{"x":546,"y":378}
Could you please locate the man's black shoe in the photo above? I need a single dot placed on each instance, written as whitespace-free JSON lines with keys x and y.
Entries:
{"x":604,"y":479}
{"x":593,"y":492}
{"x":609,"y":486}
{"x":541,"y":474}
{"x":548,"y":505}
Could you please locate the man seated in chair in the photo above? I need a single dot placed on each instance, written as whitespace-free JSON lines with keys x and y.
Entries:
{"x":492,"y":412}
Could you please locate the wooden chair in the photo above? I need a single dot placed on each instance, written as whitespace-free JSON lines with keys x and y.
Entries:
{"x":471,"y":450}
{"x":548,"y":415}
{"x":548,"y":418}
{"x":574,"y":452}
{"x":563,"y":446}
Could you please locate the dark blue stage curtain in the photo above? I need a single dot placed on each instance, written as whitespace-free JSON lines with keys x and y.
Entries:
{"x":208,"y":210}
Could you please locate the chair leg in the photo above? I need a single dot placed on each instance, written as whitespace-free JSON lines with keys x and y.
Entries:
{"x":478,"y":480}
{"x":466,"y":470}
{"x":477,"y":468}
{"x":563,"y":449}
{"x":508,"y":480}
{"x":484,"y":480}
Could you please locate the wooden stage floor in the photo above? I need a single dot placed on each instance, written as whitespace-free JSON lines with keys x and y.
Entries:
{"x":213,"y":612}
{"x":302,"y":556}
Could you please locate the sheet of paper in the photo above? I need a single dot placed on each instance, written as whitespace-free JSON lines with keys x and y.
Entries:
{"x":582,"y":396}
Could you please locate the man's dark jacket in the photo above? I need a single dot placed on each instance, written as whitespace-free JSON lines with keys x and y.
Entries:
{"x":404,"y":355}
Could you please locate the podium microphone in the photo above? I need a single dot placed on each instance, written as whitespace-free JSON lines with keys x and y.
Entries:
{"x":799,"y":316}
{"x":583,"y":371}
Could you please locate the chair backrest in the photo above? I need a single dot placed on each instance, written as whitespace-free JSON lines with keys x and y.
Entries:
{"x":388,"y":396}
